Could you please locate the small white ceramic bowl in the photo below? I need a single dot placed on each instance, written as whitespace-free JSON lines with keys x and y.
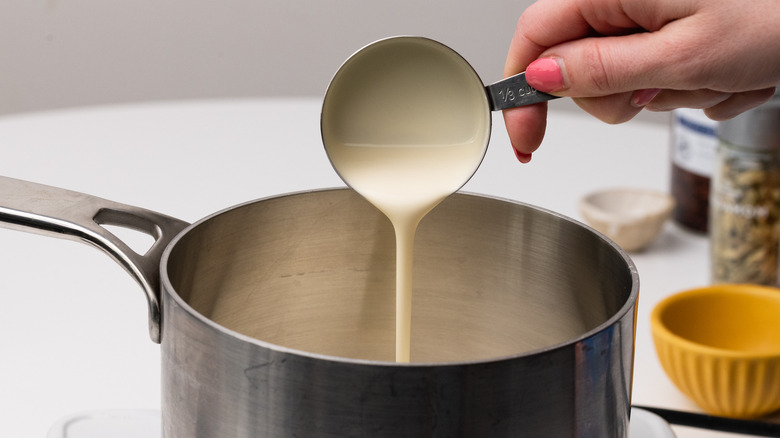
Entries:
{"x":632,"y":218}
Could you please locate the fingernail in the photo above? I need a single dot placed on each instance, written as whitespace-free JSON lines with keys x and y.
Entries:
{"x":522,"y":157}
{"x":545,"y":74}
{"x":640,"y":98}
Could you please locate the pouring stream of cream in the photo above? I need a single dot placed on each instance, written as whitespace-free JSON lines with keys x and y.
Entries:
{"x":405,"y":124}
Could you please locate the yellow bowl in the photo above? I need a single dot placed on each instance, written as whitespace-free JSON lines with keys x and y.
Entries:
{"x":720,"y":346}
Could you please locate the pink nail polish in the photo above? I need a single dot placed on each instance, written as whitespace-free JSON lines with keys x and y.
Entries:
{"x":640,"y":98}
{"x":521,"y":157}
{"x":545,"y":75}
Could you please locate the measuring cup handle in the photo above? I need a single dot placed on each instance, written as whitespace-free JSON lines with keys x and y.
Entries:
{"x":76,"y":216}
{"x":514,"y":91}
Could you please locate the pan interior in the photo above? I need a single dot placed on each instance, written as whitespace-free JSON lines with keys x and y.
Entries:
{"x":316,"y":272}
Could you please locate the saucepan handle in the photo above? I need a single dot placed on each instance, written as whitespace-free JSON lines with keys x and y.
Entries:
{"x":76,"y":216}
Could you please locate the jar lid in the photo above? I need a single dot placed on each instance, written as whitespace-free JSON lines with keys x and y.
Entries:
{"x":758,"y":128}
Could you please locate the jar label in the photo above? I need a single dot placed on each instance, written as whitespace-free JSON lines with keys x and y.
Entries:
{"x":694,"y":142}
{"x":727,"y":199}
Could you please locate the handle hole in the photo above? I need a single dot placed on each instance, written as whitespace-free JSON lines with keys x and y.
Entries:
{"x":138,"y":233}
{"x":138,"y":241}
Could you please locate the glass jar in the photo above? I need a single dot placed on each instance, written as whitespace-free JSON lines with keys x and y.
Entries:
{"x":745,"y":198}
{"x":692,"y":157}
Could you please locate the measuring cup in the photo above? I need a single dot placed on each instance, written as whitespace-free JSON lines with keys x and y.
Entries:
{"x":414,"y":91}
{"x":406,"y":122}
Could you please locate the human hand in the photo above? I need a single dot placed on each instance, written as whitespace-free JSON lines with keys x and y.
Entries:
{"x":616,"y":57}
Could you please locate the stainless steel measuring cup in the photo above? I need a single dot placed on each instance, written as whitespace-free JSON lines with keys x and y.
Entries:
{"x":409,"y":91}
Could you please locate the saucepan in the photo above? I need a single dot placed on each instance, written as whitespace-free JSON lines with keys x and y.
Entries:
{"x":276,"y":317}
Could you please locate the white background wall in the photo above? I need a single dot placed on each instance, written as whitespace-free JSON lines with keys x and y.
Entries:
{"x":59,"y":53}
{"x":63,"y":53}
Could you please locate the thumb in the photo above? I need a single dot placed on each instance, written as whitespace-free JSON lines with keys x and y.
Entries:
{"x":602,"y":66}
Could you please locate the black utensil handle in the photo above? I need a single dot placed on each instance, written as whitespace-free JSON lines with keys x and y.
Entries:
{"x":712,"y":422}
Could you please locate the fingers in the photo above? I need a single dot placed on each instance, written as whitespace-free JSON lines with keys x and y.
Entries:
{"x":718,"y":105}
{"x":622,"y":107}
{"x":641,"y":98}
{"x":533,"y":34}
{"x":739,"y":103}
{"x":612,"y":109}
{"x":594,"y":67}
{"x":668,"y":100}
{"x":549,"y":23}
{"x":526,"y":126}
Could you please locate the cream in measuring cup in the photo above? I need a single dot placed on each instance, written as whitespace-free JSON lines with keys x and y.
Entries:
{"x":406,"y":122}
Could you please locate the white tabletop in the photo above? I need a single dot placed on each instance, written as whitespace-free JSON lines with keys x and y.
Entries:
{"x":74,"y":329}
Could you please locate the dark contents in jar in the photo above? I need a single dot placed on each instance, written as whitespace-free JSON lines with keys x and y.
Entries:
{"x":691,"y":193}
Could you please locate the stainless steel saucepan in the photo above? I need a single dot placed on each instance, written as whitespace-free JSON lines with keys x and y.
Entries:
{"x":275,"y":317}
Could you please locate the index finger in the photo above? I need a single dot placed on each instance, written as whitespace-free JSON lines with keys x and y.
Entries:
{"x":548,"y":23}
{"x":533,"y":36}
